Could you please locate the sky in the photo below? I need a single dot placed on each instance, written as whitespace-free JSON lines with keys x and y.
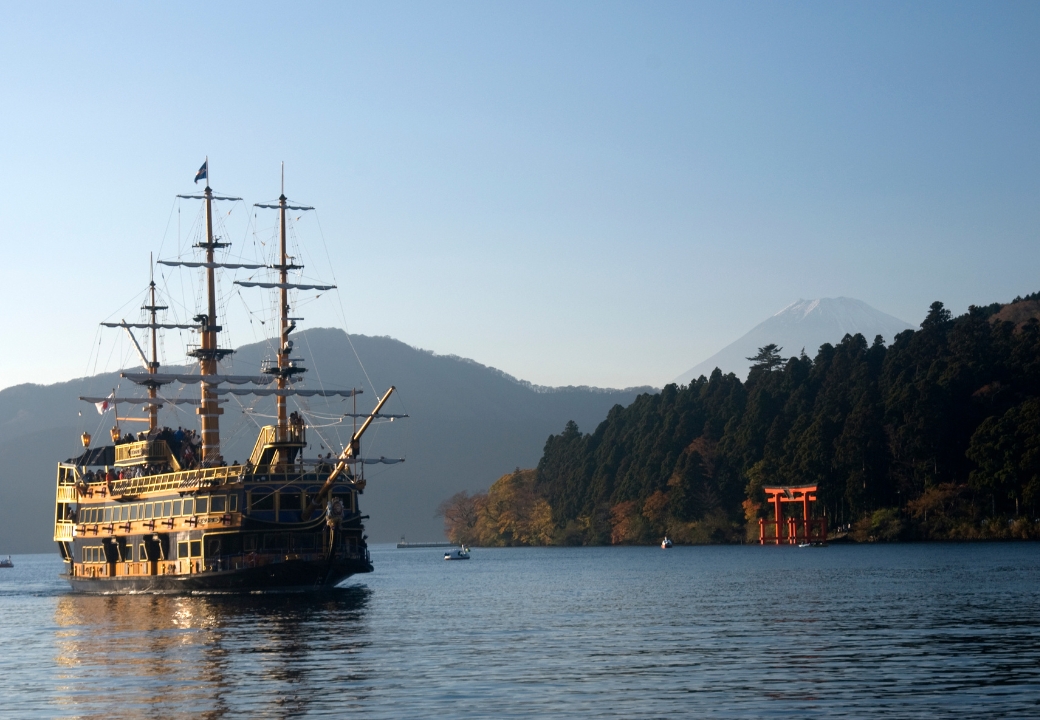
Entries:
{"x":576,"y":193}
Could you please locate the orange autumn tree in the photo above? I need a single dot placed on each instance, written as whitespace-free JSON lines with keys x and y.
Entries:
{"x":510,"y":513}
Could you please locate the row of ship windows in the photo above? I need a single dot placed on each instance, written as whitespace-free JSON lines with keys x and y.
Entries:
{"x":125,"y":553}
{"x":159,"y":509}
{"x":216,"y":545}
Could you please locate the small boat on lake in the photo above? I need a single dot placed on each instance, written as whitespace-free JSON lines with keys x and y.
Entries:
{"x":6,"y":562}
{"x":460,"y":554}
{"x":666,"y":543}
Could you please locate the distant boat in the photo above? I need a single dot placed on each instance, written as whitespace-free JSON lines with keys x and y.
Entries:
{"x":7,"y":562}
{"x":460,"y":554}
{"x":666,"y":543}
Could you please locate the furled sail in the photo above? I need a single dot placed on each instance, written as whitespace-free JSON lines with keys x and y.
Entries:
{"x":193,"y":264}
{"x":374,"y":415}
{"x":143,"y":400}
{"x":146,"y":378}
{"x":287,"y":392}
{"x":367,"y":461}
{"x":287,"y":207}
{"x":151,"y":326}
{"x":203,"y":197}
{"x":283,"y":286}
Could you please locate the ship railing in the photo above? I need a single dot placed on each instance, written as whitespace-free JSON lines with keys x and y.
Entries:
{"x":64,"y":530}
{"x":65,"y":494}
{"x":295,"y":434}
{"x":183,"y":480}
{"x":266,"y":437}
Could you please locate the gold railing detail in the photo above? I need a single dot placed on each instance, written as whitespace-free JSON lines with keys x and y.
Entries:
{"x":268,"y":434}
{"x":64,"y":530}
{"x":183,"y":480}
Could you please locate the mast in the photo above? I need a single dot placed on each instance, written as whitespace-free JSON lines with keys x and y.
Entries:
{"x":153,"y":365}
{"x":283,"y":304}
{"x":209,"y":353}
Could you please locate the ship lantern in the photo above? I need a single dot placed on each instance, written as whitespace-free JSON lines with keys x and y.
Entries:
{"x":115,"y":433}
{"x":85,"y":438}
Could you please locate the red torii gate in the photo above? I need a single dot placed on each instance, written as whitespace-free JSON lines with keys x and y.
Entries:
{"x":792,"y":531}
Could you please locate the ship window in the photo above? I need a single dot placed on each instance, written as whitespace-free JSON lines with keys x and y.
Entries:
{"x":218,"y":503}
{"x":290,"y":501}
{"x":142,"y":554}
{"x":189,"y":506}
{"x":196,"y":548}
{"x":201,"y":505}
{"x":146,"y":511}
{"x":233,"y":503}
{"x":133,"y":512}
{"x":249,"y":543}
{"x":182,"y":549}
{"x":108,"y":514}
{"x":263,"y":500}
{"x":124,"y":513}
{"x":176,"y":507}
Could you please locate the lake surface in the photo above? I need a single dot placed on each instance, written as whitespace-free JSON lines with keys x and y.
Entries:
{"x":845,"y":631}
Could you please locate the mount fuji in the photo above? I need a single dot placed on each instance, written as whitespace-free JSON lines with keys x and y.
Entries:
{"x":804,"y":324}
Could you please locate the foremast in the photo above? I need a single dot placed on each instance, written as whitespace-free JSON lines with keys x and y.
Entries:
{"x":153,"y":363}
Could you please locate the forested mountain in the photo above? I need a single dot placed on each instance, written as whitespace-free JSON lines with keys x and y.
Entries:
{"x":804,"y":324}
{"x":936,"y":436}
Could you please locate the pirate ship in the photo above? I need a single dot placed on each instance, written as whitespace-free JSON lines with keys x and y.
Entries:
{"x":162,"y":512}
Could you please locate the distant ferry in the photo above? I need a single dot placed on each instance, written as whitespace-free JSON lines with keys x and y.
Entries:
{"x":163,"y":512}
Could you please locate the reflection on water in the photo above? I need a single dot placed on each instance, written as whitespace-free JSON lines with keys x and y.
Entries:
{"x":165,"y":654}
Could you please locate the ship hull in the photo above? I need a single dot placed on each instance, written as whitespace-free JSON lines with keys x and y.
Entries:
{"x":288,"y":576}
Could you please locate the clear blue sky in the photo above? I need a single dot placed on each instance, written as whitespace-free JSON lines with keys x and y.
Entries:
{"x":576,"y":193}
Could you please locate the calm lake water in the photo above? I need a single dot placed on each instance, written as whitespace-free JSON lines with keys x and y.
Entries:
{"x":845,"y":631}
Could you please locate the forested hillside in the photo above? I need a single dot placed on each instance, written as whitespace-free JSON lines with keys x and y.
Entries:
{"x":935,"y":436}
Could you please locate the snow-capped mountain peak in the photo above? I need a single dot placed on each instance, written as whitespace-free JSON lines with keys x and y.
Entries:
{"x":802,"y":324}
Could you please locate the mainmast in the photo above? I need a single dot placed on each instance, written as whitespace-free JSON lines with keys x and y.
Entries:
{"x":208,"y":353}
{"x":285,"y":347}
